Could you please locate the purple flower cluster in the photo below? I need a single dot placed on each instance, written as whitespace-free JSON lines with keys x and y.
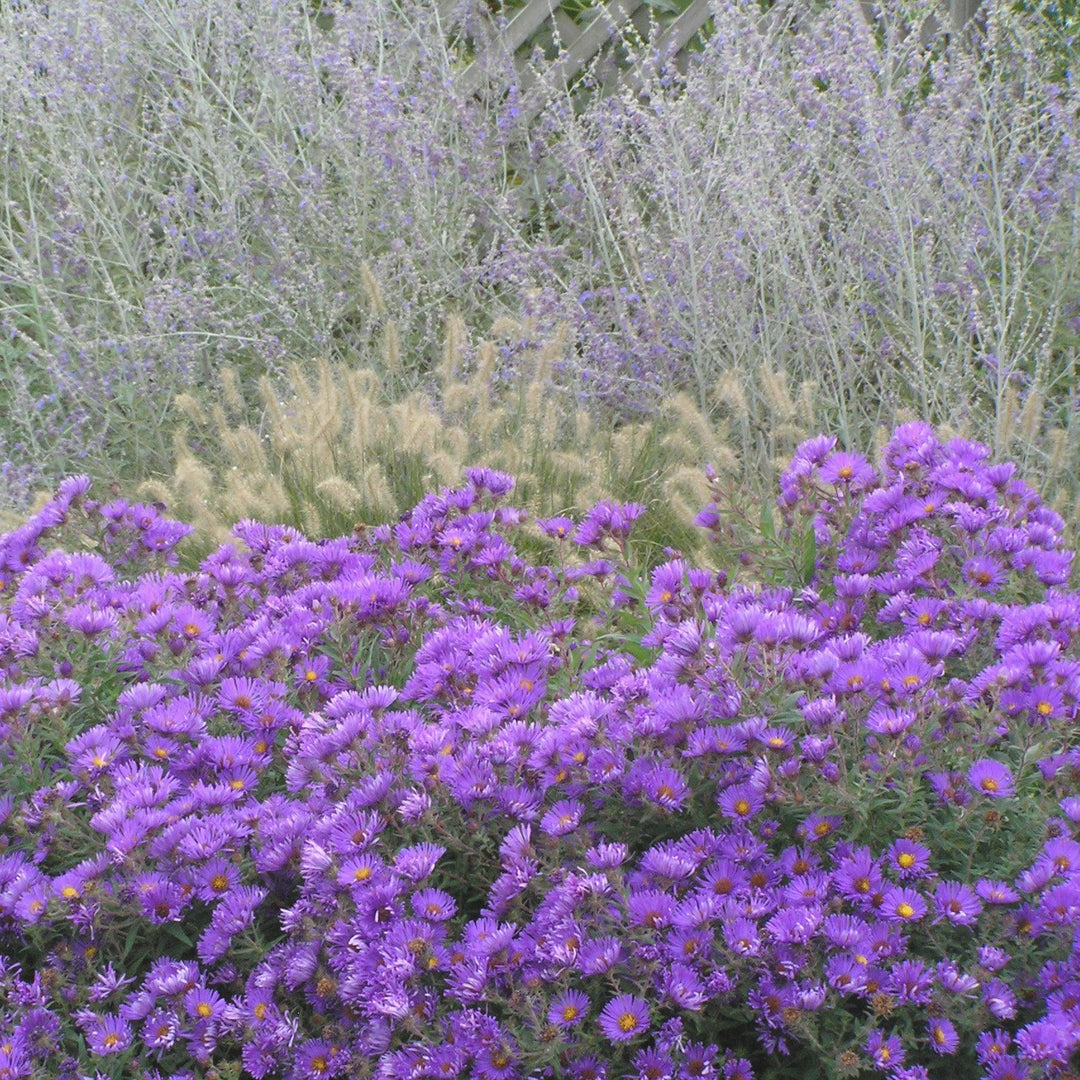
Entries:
{"x":409,"y":804}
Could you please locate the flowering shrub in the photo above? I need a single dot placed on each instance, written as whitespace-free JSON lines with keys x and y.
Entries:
{"x":408,"y":804}
{"x":252,"y":183}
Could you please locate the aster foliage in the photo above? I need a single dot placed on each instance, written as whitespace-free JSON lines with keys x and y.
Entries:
{"x":406,"y":803}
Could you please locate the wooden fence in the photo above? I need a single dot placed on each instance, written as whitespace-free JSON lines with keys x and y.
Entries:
{"x":582,"y":42}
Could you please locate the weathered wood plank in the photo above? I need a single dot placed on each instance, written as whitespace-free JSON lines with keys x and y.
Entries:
{"x":568,"y":29}
{"x":673,"y":39}
{"x":581,"y":43}
{"x":609,"y":20}
{"x":520,"y":28}
{"x":527,"y":21}
{"x":683,"y":27}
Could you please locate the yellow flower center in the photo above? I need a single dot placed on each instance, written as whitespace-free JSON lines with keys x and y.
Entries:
{"x":362,"y":873}
{"x":988,"y":783}
{"x":906,"y":860}
{"x":569,"y":1012}
{"x":905,"y":910}
{"x":627,"y":1022}
{"x":742,"y":807}
{"x":203,"y":1009}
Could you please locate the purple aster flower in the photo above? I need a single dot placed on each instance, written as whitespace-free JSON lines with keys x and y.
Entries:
{"x":887,"y":1052}
{"x":605,"y":855}
{"x":588,"y":1067}
{"x":1007,"y":1067}
{"x":15,"y":1062}
{"x":363,"y":871}
{"x":600,"y":955}
{"x":434,"y":905}
{"x":888,"y":721}
{"x":563,"y":817}
{"x":991,"y":1045}
{"x":204,"y":1004}
{"x":847,"y":471}
{"x":909,"y":859}
{"x":497,"y":1061}
{"x":160,"y":1029}
{"x":984,"y":572}
{"x":568,"y":1008}
{"x":858,"y":877}
{"x":651,"y":908}
{"x":418,"y":861}
{"x":903,"y":905}
{"x":738,"y":1069}
{"x":910,"y":980}
{"x":957,"y":903}
{"x":665,"y":787}
{"x":1063,"y":854}
{"x":1060,"y":905}
{"x":997,"y":892}
{"x":319,"y":1059}
{"x":991,"y":958}
{"x":740,"y":802}
{"x":684,"y":987}
{"x":991,"y":778}
{"x":846,"y":974}
{"x":558,"y":527}
{"x":999,"y":999}
{"x":624,"y":1018}
{"x":161,"y":900}
{"x":1046,"y":1040}
{"x":943,"y":1036}
{"x":817,"y":826}
{"x":742,"y":937}
{"x":106,"y":1034}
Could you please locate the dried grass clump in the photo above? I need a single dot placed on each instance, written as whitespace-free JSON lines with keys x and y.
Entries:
{"x":333,"y":446}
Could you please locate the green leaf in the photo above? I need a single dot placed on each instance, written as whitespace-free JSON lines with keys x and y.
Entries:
{"x":178,"y":933}
{"x":132,"y":936}
{"x":768,"y":525}
{"x":808,"y":560}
